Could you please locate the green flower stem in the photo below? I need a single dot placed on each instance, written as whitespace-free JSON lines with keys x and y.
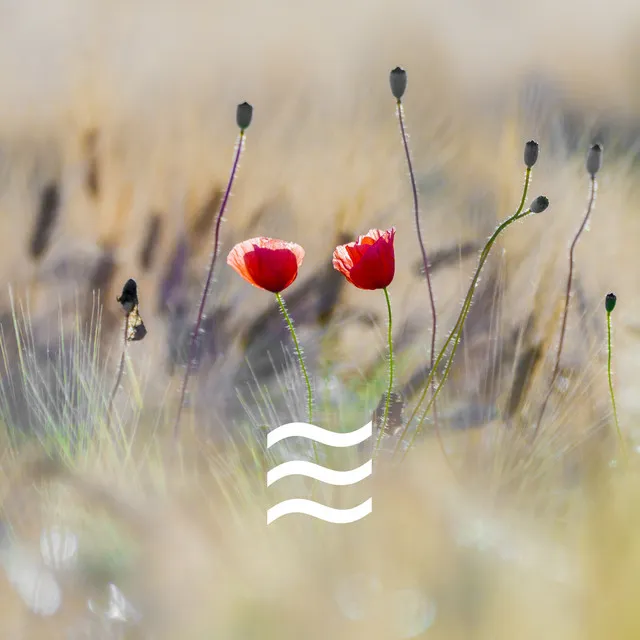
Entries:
{"x":390,"y":340}
{"x":294,"y":337}
{"x":623,"y":446}
{"x":456,"y":333}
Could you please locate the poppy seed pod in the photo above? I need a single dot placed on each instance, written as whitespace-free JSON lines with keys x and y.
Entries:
{"x":610,"y":302}
{"x":539,"y":204}
{"x":531,"y":153}
{"x":594,"y":160}
{"x":398,"y":81}
{"x":244,"y":113}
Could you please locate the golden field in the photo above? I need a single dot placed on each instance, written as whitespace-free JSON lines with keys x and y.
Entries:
{"x":123,"y":115}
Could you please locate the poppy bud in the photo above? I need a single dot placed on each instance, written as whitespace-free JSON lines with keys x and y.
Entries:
{"x":398,"y":81}
{"x":539,"y":204}
{"x":531,"y":153}
{"x":610,"y":302}
{"x":244,"y":113}
{"x":594,"y":160}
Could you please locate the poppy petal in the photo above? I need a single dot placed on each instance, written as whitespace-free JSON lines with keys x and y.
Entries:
{"x":368,"y":263}
{"x":267,"y":263}
{"x":236,"y":260}
{"x":376,"y":268}
{"x":272,"y":269}
{"x":343,"y":261}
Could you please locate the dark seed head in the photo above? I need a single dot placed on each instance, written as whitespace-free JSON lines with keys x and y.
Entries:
{"x":594,"y":160}
{"x":398,"y":81}
{"x":129,"y":297}
{"x":531,"y":153}
{"x":539,"y":204}
{"x":244,"y":113}
{"x":610,"y":302}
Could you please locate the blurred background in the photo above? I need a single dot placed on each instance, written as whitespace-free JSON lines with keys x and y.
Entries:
{"x":116,"y":138}
{"x":117,"y":133}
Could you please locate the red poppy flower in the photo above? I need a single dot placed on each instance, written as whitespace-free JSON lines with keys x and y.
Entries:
{"x":369,"y":263}
{"x":267,"y":263}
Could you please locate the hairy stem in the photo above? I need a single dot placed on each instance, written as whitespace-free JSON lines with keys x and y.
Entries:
{"x":296,"y":343}
{"x":623,"y":445}
{"x":425,"y":264}
{"x":567,"y":299}
{"x":193,"y":347}
{"x":390,"y":341}
{"x":456,"y":333}
{"x":303,"y":368}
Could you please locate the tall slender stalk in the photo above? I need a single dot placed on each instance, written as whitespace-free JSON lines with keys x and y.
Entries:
{"x":610,"y":305}
{"x":425,"y":262}
{"x":391,"y":370}
{"x":457,"y":329}
{"x":567,"y":300}
{"x":303,"y":368}
{"x":296,"y":343}
{"x":193,"y":347}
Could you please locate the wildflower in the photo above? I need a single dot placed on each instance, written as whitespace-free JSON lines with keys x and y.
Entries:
{"x":398,"y":81}
{"x":267,"y":263}
{"x":531,"y":153}
{"x":271,"y":264}
{"x":369,"y":263}
{"x":610,"y":302}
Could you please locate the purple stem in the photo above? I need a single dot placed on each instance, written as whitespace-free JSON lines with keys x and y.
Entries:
{"x":556,"y":369}
{"x":425,"y":263}
{"x":203,"y":300}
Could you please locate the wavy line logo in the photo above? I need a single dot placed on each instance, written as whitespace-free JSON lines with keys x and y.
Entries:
{"x":317,"y":472}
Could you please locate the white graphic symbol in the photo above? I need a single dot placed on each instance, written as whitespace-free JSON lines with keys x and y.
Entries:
{"x":317,"y":472}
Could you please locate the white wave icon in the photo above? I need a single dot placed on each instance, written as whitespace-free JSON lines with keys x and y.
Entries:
{"x":320,"y":511}
{"x":318,"y":434}
{"x":317,"y":472}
